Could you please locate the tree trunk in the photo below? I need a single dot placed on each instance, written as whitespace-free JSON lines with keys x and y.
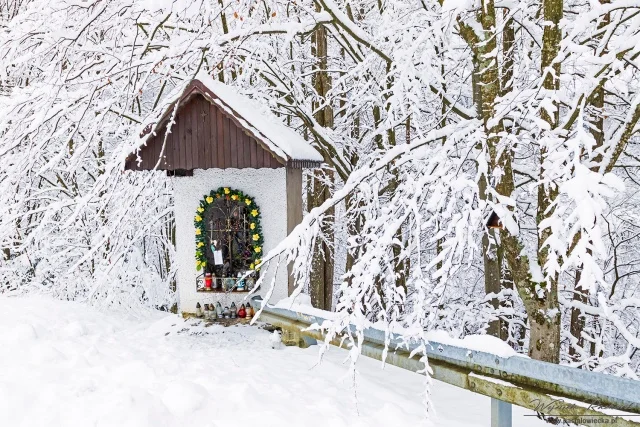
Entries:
{"x":540,"y":303}
{"x":327,"y":250}
{"x":225,"y":30}
{"x":544,"y":335}
{"x":492,"y":270}
{"x":577,"y":318}
{"x":321,"y":277}
{"x":484,"y":93}
{"x":355,"y":228}
{"x":544,"y":315}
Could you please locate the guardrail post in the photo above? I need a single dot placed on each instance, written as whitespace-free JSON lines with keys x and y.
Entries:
{"x":294,"y":337}
{"x":500,"y":413}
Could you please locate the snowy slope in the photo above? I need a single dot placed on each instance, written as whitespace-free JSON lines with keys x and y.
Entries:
{"x":65,"y":364}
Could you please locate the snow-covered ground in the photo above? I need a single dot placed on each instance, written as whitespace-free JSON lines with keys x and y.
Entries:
{"x":66,"y":364}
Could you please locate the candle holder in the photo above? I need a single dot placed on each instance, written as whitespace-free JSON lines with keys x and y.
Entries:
{"x":228,"y":283}
{"x":250,"y":283}
{"x":234,"y":310}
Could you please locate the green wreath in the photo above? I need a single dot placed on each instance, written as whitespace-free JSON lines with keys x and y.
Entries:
{"x":257,"y":238}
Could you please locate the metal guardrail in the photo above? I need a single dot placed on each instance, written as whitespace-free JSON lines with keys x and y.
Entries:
{"x":555,"y":391}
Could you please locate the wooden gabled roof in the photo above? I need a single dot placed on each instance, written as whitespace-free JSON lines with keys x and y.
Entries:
{"x":214,"y":127}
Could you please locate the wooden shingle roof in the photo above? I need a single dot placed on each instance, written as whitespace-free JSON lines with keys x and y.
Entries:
{"x":215,"y":127}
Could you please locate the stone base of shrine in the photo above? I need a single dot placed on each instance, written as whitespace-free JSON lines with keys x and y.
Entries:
{"x":222,"y":322}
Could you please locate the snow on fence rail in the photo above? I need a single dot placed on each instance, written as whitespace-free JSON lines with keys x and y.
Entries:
{"x":555,"y":391}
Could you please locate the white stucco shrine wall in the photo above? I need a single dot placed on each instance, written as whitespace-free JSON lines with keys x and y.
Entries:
{"x":267,"y":187}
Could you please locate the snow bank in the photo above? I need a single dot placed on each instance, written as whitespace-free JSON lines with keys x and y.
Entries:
{"x":484,"y":343}
{"x":65,"y":364}
{"x":302,"y":304}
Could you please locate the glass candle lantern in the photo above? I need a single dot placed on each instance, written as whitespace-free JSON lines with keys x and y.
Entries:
{"x":228,"y":283}
{"x":242,"y":312}
{"x":234,"y":310}
{"x":206,"y":311}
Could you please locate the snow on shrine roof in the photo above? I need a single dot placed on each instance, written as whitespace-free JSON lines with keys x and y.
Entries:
{"x":257,"y":120}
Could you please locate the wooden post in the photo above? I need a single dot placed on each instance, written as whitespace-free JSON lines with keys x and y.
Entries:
{"x":294,"y":210}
